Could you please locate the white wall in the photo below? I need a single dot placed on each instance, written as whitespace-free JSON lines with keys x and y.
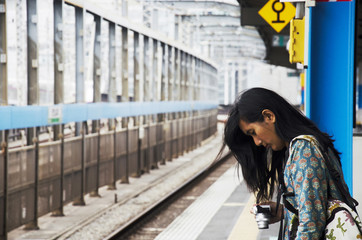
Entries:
{"x":275,"y":78}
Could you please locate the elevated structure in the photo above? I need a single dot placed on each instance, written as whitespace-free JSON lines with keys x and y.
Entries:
{"x":61,"y":145}
{"x":212,"y":28}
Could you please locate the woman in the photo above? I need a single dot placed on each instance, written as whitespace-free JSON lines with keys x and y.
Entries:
{"x":260,"y":132}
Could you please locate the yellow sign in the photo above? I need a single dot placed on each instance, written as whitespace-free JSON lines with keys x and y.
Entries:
{"x":277,"y":14}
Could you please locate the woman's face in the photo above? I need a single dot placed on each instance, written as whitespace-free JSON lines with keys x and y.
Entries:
{"x":264,"y":132}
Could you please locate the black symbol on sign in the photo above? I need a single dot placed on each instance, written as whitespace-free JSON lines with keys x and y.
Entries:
{"x":278,"y":11}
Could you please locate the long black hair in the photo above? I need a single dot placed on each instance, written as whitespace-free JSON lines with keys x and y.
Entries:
{"x":260,"y":176}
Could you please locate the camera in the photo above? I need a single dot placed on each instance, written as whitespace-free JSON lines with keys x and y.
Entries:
{"x":262,"y":216}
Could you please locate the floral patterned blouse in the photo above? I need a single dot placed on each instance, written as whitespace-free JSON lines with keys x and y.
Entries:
{"x":310,"y":185}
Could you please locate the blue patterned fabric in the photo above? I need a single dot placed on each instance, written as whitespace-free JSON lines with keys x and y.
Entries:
{"x":307,"y":177}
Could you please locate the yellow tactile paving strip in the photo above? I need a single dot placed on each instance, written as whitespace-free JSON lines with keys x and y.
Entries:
{"x":245,"y":227}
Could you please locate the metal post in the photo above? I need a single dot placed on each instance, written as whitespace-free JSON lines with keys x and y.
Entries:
{"x":59,"y":211}
{"x":80,"y":201}
{"x":327,"y":95}
{"x":115,"y":155}
{"x":171,"y":139}
{"x":95,"y":192}
{"x":161,"y":95}
{"x":146,"y":94}
{"x":163,"y":146}
{"x":97,"y":68}
{"x":32,"y":48}
{"x":112,"y":186}
{"x":178,"y":96}
{"x":178,"y":150}
{"x":5,"y":149}
{"x":147,"y":164}
{"x":183,"y":98}
{"x":168,"y":96}
{"x":164,"y":95}
{"x":139,"y":150}
{"x":146,"y":73}
{"x":79,"y":43}
{"x":192,"y":133}
{"x":193,"y":98}
{"x":33,"y":225}
{"x":187,"y":98}
{"x":62,"y":171}
{"x":3,"y":55}
{"x":148,"y":69}
{"x":125,"y":178}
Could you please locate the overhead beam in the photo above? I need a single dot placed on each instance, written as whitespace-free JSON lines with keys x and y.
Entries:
{"x":205,"y":6}
{"x":226,"y":20}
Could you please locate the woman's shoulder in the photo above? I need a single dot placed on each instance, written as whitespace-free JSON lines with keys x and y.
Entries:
{"x":304,"y":143}
{"x":303,"y":154}
{"x":309,"y":138}
{"x":302,"y":139}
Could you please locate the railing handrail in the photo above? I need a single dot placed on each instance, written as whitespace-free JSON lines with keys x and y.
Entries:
{"x":14,"y":117}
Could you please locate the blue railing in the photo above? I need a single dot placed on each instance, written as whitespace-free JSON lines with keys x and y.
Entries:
{"x":14,"y":117}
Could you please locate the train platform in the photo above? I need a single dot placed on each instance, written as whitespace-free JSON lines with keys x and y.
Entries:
{"x":222,"y":212}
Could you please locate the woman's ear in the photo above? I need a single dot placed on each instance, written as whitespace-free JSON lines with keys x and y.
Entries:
{"x":268,"y":115}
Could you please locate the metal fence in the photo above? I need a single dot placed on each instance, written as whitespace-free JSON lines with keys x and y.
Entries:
{"x":42,"y":178}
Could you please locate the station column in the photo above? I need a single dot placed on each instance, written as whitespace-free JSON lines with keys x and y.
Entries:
{"x":330,"y":74}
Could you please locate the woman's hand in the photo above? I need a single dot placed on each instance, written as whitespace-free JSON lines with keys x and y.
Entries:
{"x":274,"y":217}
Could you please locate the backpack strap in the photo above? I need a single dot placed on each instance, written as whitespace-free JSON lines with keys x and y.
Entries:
{"x":290,"y":207}
{"x":281,"y":192}
{"x":349,"y":200}
{"x":336,"y":176}
{"x":281,"y":232}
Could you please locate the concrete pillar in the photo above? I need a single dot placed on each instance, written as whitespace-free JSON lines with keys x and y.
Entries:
{"x":125,"y":93}
{"x":32,"y":48}
{"x":171,"y":72}
{"x":112,"y":90}
{"x":146,"y":69}
{"x":79,"y":62}
{"x":96,"y":68}
{"x":3,"y":55}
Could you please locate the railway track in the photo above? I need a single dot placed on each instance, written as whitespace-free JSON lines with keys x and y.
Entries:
{"x":149,"y":223}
